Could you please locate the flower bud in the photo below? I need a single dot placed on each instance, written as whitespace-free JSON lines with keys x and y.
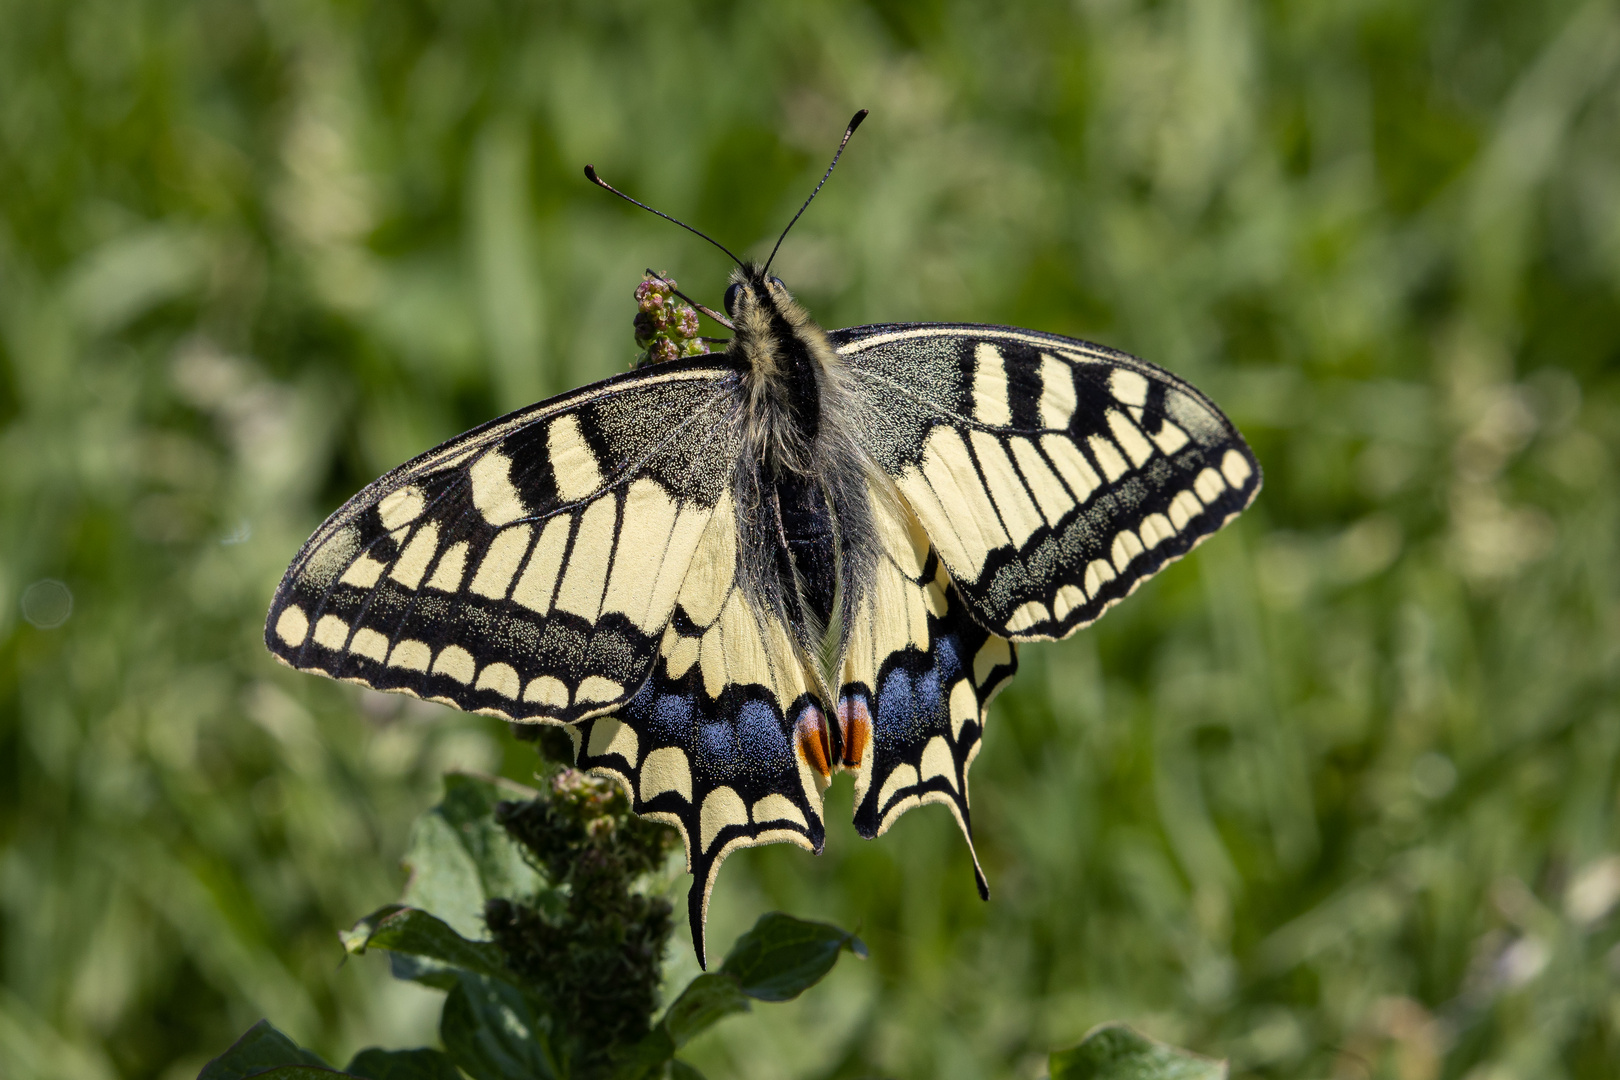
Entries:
{"x":665,"y":328}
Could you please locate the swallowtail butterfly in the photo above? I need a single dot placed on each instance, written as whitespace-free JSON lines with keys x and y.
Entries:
{"x":733,"y":576}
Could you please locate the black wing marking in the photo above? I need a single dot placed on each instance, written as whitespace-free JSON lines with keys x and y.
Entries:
{"x":1053,"y":476}
{"x":526,"y":569}
{"x":726,"y":740}
{"x":917,"y":681}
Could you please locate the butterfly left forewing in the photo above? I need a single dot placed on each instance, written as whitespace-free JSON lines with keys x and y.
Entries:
{"x":1053,"y":476}
{"x":724,"y":740}
{"x":527,"y":568}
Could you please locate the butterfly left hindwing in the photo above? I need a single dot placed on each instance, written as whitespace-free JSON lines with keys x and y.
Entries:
{"x":725,"y":740}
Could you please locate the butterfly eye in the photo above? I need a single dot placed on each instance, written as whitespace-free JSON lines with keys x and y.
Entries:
{"x":732,"y":291}
{"x":776,"y":281}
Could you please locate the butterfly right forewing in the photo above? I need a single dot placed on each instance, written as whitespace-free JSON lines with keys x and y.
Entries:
{"x":1053,"y":476}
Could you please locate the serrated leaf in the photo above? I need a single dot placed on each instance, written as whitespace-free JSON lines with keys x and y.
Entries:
{"x":781,"y":957}
{"x":494,"y":1031}
{"x":1118,"y":1052}
{"x":262,"y":1051}
{"x":411,"y":932}
{"x":423,"y":1064}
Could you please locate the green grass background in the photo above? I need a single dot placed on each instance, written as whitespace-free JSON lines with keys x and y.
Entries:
{"x":1335,"y":797}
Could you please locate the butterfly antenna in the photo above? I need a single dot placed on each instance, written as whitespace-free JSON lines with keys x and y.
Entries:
{"x":590,"y":174}
{"x":855,"y":122}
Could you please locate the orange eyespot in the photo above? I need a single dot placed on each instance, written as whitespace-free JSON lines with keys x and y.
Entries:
{"x":855,"y":725}
{"x":811,"y":735}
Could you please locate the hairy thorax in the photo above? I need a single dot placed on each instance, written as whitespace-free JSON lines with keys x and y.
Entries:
{"x":803,"y":469}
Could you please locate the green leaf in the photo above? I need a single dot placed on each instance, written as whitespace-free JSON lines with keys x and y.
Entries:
{"x":680,"y":1070}
{"x":412,"y":932}
{"x":469,"y":808}
{"x":494,"y":1031}
{"x":706,"y":1000}
{"x":422,"y":1064}
{"x":460,"y":856}
{"x":645,"y":1058}
{"x":420,"y":969}
{"x":777,"y":960}
{"x":264,"y":1051}
{"x":1116,"y":1052}
{"x":781,"y":957}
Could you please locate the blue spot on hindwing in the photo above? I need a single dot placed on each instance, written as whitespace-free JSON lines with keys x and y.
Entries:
{"x":947,"y":662}
{"x":760,"y":734}
{"x":717,"y":749}
{"x":930,"y":703}
{"x":896,"y":713}
{"x":671,"y":720}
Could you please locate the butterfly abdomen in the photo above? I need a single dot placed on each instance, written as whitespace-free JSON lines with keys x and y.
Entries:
{"x":810,"y":542}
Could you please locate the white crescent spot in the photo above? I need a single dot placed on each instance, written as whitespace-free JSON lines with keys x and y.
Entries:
{"x":331,"y":632}
{"x":1209,"y":486}
{"x":1236,"y":469}
{"x":778,"y":808}
{"x":501,"y":678}
{"x":937,"y":761}
{"x":1098,"y":574}
{"x":903,"y":777}
{"x":722,"y":807}
{"x":1126,"y":547}
{"x":411,"y":655}
{"x":664,"y":770}
{"x":609,"y":736}
{"x":370,"y":644}
{"x":455,"y":662}
{"x":596,"y":688}
{"x":547,"y":690}
{"x":292,"y":625}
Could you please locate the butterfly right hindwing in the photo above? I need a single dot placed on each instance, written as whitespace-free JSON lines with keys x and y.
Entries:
{"x":1053,"y":475}
{"x":917,"y":681}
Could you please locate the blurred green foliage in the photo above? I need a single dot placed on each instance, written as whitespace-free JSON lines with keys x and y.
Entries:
{"x":1334,"y":797}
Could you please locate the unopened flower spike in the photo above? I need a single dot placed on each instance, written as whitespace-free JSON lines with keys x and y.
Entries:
{"x":666,"y":328}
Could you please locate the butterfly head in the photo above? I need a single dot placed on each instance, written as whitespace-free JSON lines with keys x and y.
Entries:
{"x":790,"y":363}
{"x":766,"y":319}
{"x":754,"y":292}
